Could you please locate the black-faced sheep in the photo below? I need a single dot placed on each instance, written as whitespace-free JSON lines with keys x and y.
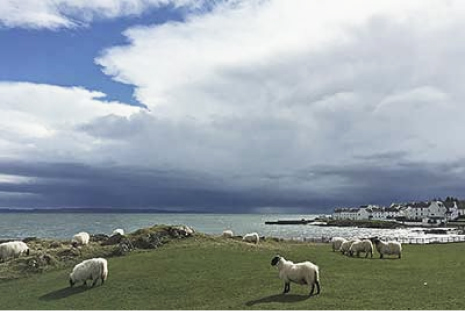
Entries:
{"x":387,"y":248}
{"x":91,"y":269}
{"x":118,"y":231}
{"x":336,"y":243}
{"x":82,"y":238}
{"x":13,"y":249}
{"x":228,"y":233}
{"x":361,"y":246}
{"x":304,"y":273}
{"x":345,"y":246}
{"x":251,"y":238}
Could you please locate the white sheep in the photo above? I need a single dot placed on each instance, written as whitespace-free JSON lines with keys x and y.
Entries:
{"x":82,"y":238}
{"x":13,"y":249}
{"x":251,"y":237}
{"x":118,"y":231}
{"x":345,"y":246}
{"x":337,"y":242}
{"x":387,"y":248}
{"x":303,"y":273}
{"x":228,"y":233}
{"x":361,"y":246}
{"x":90,"y":269}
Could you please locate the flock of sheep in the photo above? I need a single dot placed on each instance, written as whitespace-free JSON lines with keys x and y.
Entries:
{"x":93,"y":269}
{"x":357,"y":246}
{"x":303,"y":273}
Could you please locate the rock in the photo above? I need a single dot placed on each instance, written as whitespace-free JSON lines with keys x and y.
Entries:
{"x":181,"y":232}
{"x":98,"y":238}
{"x":30,"y":239}
{"x":71,"y":252}
{"x":113,"y":240}
{"x":55,"y":244}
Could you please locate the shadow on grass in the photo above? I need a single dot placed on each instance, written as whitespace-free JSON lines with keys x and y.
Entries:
{"x":63,"y":293}
{"x":278,"y":298}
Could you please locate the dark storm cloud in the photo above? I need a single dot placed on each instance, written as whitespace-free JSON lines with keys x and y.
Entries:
{"x":76,"y":185}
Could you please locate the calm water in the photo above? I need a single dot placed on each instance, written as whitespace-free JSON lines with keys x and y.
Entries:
{"x":64,"y":226}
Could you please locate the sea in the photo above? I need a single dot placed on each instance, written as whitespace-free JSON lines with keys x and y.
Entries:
{"x":65,"y":225}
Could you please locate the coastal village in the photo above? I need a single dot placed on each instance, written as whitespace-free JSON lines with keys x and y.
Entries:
{"x":429,"y":213}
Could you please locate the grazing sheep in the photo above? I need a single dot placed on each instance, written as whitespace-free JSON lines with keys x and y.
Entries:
{"x":303,"y":273}
{"x":228,"y":234}
{"x":345,"y":246}
{"x":387,"y":248}
{"x":13,"y":249}
{"x":90,"y":269}
{"x":118,"y":231}
{"x":82,"y":238}
{"x":361,"y":246}
{"x":337,"y":242}
{"x":251,"y":237}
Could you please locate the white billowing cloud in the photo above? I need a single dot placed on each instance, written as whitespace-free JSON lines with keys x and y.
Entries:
{"x":55,"y":14}
{"x":37,"y":116}
{"x":278,"y":87}
{"x":296,"y":97}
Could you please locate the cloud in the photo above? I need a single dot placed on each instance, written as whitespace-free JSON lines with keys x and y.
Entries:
{"x":268,"y":104}
{"x":55,"y":14}
{"x":42,"y":119}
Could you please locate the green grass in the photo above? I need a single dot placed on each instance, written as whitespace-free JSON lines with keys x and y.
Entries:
{"x":213,"y":273}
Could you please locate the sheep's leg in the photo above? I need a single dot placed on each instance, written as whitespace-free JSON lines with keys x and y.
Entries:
{"x":287,"y":287}
{"x":94,"y":282}
{"x":312,"y":288}
{"x":317,"y":287}
{"x":85,"y":283}
{"x":400,"y":255}
{"x":380,"y":256}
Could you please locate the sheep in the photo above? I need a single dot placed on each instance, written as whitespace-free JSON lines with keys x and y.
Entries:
{"x":90,"y":269}
{"x":361,"y":246}
{"x":13,"y":249}
{"x":82,"y":238}
{"x":251,"y":237}
{"x":387,"y":248}
{"x":228,"y":234}
{"x":337,"y":242}
{"x":345,"y":246}
{"x":118,"y":231}
{"x":303,"y":273}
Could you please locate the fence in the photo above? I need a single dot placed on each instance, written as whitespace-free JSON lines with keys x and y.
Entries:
{"x":426,"y":239}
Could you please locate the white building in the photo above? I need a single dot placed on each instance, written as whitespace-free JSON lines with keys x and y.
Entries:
{"x":429,"y":212}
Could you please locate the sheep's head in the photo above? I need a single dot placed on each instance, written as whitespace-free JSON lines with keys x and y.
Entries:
{"x":275,"y":260}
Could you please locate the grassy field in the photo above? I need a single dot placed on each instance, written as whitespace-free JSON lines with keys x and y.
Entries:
{"x":214,"y":273}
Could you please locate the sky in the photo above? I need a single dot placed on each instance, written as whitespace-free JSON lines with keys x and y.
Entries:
{"x":258,"y":106}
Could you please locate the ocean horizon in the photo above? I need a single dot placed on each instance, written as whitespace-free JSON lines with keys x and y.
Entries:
{"x":64,"y":225}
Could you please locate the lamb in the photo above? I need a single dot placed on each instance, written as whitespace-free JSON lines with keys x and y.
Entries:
{"x":13,"y":249}
{"x":337,"y":242}
{"x":387,"y":248}
{"x":345,"y":246}
{"x":118,"y":231}
{"x":303,"y":273}
{"x":90,"y":269}
{"x":361,"y":246}
{"x":251,"y":237}
{"x":228,"y":234}
{"x":82,"y":238}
